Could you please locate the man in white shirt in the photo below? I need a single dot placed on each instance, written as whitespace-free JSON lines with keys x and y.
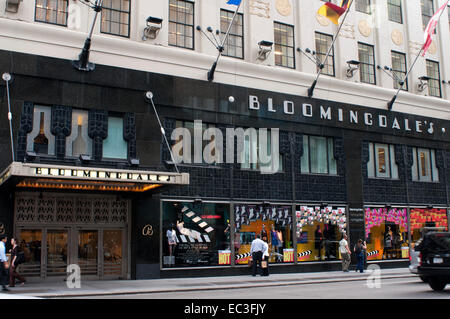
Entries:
{"x":256,"y":250}
{"x":345,"y":253}
{"x":3,"y":260}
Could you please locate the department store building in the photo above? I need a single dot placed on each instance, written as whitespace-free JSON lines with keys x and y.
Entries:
{"x":89,"y":179}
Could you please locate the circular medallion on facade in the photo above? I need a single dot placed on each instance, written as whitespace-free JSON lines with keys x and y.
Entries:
{"x":432,"y":49}
{"x":397,"y":37}
{"x":284,"y":7}
{"x":364,"y":28}
{"x":322,"y":20}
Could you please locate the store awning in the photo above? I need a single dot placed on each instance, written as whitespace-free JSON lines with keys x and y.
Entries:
{"x":43,"y":176}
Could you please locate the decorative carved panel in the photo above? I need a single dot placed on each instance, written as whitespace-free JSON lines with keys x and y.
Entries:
{"x":59,"y":209}
{"x":64,"y":210}
{"x":45,"y":210}
{"x":83,"y":211}
{"x":25,"y":208}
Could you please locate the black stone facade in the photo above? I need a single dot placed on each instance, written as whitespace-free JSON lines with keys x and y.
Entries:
{"x":117,"y":90}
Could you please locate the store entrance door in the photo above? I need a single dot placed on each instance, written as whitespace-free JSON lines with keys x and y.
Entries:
{"x":82,"y":247}
{"x":57,"y":251}
{"x":87,"y":247}
{"x":56,"y":231}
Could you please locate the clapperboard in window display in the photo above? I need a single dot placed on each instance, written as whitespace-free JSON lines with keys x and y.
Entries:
{"x":194,"y":239}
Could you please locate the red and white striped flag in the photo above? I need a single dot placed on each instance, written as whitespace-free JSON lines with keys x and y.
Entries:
{"x":431,"y":27}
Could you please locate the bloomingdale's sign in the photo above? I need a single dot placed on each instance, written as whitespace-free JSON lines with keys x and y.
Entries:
{"x":335,"y":114}
{"x":94,"y":174}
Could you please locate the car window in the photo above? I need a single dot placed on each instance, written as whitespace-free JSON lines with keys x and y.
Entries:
{"x":437,"y":242}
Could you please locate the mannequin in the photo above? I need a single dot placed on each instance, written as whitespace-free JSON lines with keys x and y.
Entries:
{"x":274,"y":238}
{"x":280,"y":240}
{"x":388,"y":242}
{"x":326,"y":237}
{"x":227,"y":235}
{"x":263,"y":231}
{"x":318,"y":241}
{"x":171,"y":239}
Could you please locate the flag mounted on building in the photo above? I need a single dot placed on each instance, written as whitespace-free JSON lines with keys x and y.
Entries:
{"x":234,"y":2}
{"x":333,"y":12}
{"x":431,"y":28}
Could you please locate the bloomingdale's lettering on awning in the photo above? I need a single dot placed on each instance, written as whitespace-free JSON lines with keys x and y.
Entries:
{"x":88,"y":178}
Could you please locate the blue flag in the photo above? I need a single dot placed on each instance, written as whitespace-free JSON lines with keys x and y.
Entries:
{"x":235,"y":2}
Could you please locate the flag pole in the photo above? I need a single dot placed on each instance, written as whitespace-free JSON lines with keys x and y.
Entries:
{"x":321,"y":66}
{"x":221,"y":48}
{"x":392,"y":101}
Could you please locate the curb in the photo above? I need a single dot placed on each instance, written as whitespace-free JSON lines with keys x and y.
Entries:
{"x":212,"y":286}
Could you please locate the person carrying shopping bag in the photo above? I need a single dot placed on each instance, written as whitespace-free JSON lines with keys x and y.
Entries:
{"x":265,"y":260}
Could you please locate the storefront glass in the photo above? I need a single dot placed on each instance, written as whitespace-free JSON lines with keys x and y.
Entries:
{"x":88,"y":251}
{"x":195,"y":234}
{"x":112,"y":252}
{"x":426,"y":217}
{"x":30,"y":243}
{"x":271,"y":222}
{"x":386,"y":233}
{"x":57,"y":252}
{"x":319,"y":230}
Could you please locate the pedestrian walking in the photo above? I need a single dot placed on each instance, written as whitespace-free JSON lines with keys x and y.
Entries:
{"x":3,"y":263}
{"x":256,"y":250}
{"x":345,"y":253}
{"x":16,"y":259}
{"x":265,"y":259}
{"x":364,"y":255}
{"x":359,"y":251}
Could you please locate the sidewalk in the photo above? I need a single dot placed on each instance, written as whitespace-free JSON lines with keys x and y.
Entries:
{"x":59,"y":289}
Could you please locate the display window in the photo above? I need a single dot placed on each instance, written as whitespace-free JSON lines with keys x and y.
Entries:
{"x":426,"y":217}
{"x":386,"y":233}
{"x":195,"y":234}
{"x":319,"y":230}
{"x":272,"y":222}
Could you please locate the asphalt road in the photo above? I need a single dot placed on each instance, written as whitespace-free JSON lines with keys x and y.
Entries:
{"x":396,"y":288}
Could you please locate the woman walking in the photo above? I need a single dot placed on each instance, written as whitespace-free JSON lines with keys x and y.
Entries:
{"x":359,"y":249}
{"x":13,"y":274}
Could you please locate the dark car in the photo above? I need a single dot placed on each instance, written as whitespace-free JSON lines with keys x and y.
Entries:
{"x":435,"y":259}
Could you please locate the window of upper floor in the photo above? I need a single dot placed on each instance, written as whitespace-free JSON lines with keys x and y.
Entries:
{"x":42,"y":141}
{"x":424,"y":167}
{"x":234,"y":44}
{"x":253,"y":153}
{"x":434,"y":82}
{"x":51,"y":11}
{"x":395,"y":10}
{"x":284,"y":45}
{"x":318,"y":155}
{"x":427,"y":11}
{"x":181,"y":24}
{"x":399,"y":69}
{"x":323,"y":43}
{"x":116,"y":17}
{"x":366,"y":55}
{"x":382,"y":162}
{"x":363,"y":6}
